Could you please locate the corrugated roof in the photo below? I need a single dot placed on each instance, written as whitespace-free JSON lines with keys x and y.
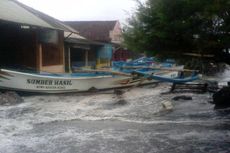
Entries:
{"x":10,"y":11}
{"x":13,"y":11}
{"x":52,"y":21}
{"x":94,"y":30}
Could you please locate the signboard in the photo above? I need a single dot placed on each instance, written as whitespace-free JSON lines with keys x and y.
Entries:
{"x":48,"y":36}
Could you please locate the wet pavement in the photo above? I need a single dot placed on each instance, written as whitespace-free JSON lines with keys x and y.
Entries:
{"x":105,"y":122}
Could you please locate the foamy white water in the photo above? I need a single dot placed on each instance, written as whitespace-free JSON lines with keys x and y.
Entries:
{"x":53,"y":123}
{"x":90,"y":107}
{"x":136,"y":103}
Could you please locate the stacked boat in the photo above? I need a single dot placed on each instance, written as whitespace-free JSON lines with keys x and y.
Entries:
{"x":122,"y":74}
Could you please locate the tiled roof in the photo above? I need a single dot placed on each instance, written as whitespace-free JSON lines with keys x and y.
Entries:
{"x":94,"y":30}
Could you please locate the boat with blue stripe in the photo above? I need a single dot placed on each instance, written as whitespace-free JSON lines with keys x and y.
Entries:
{"x":138,"y":72}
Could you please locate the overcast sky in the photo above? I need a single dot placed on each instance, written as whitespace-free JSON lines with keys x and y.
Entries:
{"x":69,"y":10}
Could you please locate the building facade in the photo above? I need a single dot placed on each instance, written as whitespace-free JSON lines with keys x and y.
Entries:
{"x":31,"y":39}
{"x":103,"y":38}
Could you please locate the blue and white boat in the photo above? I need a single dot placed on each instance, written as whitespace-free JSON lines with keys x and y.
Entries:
{"x":63,"y":83}
{"x":135,"y":73}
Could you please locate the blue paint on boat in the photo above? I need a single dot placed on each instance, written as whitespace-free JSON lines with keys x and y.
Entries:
{"x":179,"y":80}
{"x":143,"y":61}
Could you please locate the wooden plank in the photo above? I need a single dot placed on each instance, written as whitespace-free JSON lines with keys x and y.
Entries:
{"x":201,"y":87}
{"x":86,"y":58}
{"x":69,"y":60}
{"x":159,"y":68}
{"x":199,"y":55}
{"x":39,"y":57}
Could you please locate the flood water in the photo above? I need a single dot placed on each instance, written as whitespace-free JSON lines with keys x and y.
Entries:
{"x":135,"y":122}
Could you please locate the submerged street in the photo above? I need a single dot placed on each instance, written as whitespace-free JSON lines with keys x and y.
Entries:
{"x":105,"y":122}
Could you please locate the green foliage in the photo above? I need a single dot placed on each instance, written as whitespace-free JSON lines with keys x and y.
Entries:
{"x":179,"y":26}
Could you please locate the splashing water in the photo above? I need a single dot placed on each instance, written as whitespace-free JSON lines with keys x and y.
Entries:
{"x":72,"y":122}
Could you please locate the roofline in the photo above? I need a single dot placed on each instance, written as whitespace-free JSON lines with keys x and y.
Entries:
{"x":84,"y":41}
{"x":33,"y":11}
{"x":91,"y":21}
{"x":74,"y":21}
{"x":26,"y":24}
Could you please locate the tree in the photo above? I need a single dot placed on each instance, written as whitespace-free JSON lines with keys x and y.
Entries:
{"x":175,"y":27}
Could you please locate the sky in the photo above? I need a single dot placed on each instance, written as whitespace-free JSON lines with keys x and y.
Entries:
{"x":83,"y":10}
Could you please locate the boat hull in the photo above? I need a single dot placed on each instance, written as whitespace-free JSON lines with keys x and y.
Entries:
{"x":36,"y":83}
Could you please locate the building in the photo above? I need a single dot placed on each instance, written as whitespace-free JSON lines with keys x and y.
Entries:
{"x":31,"y":39}
{"x":78,"y":52}
{"x":103,"y":39}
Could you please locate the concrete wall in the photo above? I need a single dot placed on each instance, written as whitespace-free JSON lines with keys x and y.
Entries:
{"x":116,"y":34}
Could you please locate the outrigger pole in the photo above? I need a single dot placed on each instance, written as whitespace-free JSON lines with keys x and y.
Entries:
{"x":158,"y":68}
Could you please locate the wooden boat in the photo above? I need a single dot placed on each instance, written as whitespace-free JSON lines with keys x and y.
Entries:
{"x":149,"y":68}
{"x":149,"y":63}
{"x":178,"y":80}
{"x":76,"y":82}
{"x":138,"y":72}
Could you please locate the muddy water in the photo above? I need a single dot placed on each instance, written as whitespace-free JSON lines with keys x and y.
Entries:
{"x":133,"y":122}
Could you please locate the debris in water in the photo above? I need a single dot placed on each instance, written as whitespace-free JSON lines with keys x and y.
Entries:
{"x":167,"y":105}
{"x":221,"y":98}
{"x":119,"y":91}
{"x":121,"y":102}
{"x":183,"y":97}
{"x":9,"y":98}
